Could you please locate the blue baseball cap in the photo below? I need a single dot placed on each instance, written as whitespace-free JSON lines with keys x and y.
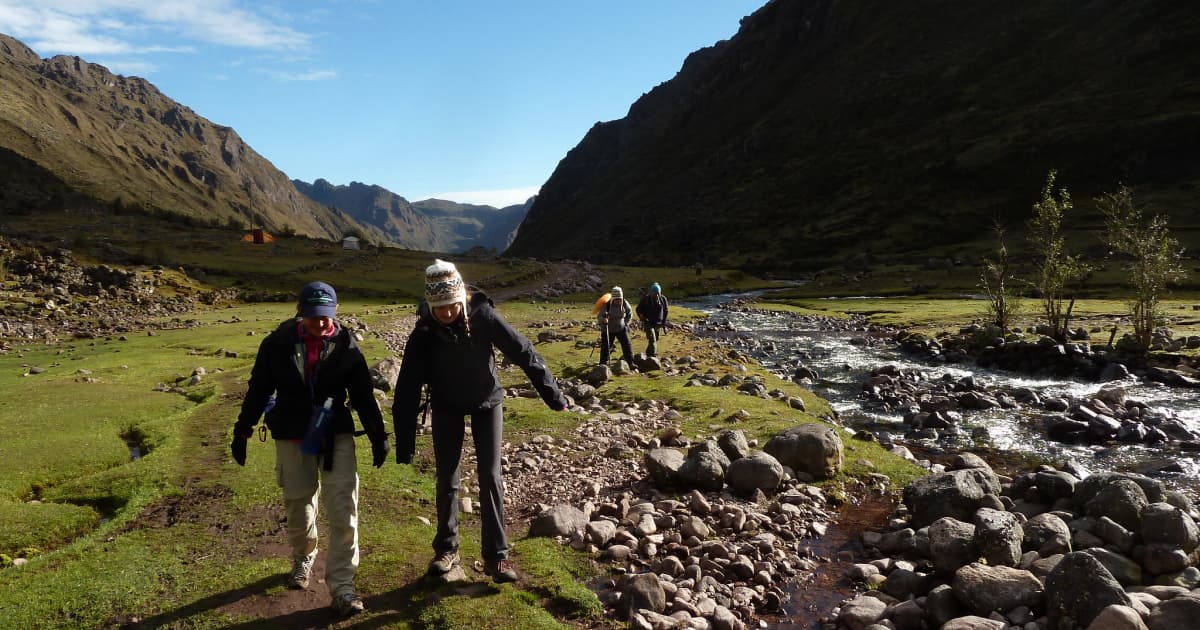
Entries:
{"x":318,"y":299}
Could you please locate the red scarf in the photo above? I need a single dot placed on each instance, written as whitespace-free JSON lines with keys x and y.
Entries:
{"x":313,"y":347}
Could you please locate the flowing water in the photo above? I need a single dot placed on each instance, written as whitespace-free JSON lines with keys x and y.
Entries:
{"x":781,"y":341}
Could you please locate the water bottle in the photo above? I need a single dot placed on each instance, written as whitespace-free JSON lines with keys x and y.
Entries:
{"x":318,"y":426}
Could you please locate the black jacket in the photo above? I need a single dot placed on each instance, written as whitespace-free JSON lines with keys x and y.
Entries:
{"x":279,"y":369}
{"x":460,"y":368}
{"x":653,"y":309}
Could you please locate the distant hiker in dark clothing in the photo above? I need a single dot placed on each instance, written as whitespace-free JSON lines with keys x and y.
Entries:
{"x":306,"y":361}
{"x":613,"y":319}
{"x":652,"y":314}
{"x":450,"y":350}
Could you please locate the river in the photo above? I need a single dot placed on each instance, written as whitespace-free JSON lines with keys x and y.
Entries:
{"x":782,"y":341}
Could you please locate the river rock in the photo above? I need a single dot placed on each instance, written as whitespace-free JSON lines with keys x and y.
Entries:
{"x":811,"y":448}
{"x":1125,"y":571}
{"x":663,"y":464}
{"x":1047,"y":534}
{"x":704,"y":470}
{"x":560,"y":520}
{"x":733,"y":444}
{"x":1180,"y":613}
{"x":972,"y":622}
{"x":956,"y":494}
{"x":1078,"y":589}
{"x":1122,"y":500}
{"x":984,"y":589}
{"x":759,"y":471}
{"x":1165,"y":523}
{"x":998,"y":536}
{"x":1117,"y":617}
{"x":951,"y":545}
{"x":861,"y":612}
{"x":643,"y":590}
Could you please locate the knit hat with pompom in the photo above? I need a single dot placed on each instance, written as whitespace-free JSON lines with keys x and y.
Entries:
{"x":443,"y":284}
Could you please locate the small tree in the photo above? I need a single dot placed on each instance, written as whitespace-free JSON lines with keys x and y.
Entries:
{"x":998,"y":282}
{"x":1059,"y":272}
{"x":1155,"y":258}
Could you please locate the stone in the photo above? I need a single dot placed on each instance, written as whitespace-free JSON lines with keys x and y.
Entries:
{"x":663,"y":464}
{"x":810,"y":448}
{"x":861,"y":612}
{"x":956,"y":494}
{"x":951,"y":545}
{"x":1117,"y":617}
{"x":759,"y":471}
{"x":643,"y":590}
{"x":984,"y":589}
{"x":560,"y":520}
{"x":1078,"y":589}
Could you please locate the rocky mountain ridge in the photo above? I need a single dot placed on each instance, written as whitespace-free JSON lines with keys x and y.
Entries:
{"x":825,"y":129}
{"x":119,"y":140}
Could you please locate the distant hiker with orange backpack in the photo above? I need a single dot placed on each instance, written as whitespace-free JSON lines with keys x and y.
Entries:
{"x":613,"y":318}
{"x":652,"y":315}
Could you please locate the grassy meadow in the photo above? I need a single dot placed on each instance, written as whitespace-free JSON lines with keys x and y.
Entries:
{"x":183,"y":537}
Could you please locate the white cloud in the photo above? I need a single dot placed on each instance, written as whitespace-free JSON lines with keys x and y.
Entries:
{"x":497,"y":198}
{"x":92,"y":27}
{"x":311,"y":75}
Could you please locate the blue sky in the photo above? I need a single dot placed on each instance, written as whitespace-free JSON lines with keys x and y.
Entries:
{"x":472,"y":101}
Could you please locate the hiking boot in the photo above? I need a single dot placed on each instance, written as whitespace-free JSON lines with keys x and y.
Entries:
{"x":443,"y":563}
{"x":501,"y":570}
{"x":301,"y":570}
{"x":347,"y":604}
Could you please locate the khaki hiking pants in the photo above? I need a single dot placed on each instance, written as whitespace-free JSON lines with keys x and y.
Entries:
{"x":301,"y":478}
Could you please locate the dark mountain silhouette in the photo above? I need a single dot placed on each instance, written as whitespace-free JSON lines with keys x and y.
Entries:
{"x":119,"y":140}
{"x":379,"y":207}
{"x":827,"y":128}
{"x":462,"y":226}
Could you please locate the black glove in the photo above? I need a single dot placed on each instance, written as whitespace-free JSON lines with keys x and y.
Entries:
{"x":379,"y":451}
{"x":238,"y":448}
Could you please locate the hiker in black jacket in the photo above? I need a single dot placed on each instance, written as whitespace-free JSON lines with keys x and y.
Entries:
{"x":613,"y":320}
{"x":652,"y":314}
{"x":450,"y":350}
{"x":303,"y":363}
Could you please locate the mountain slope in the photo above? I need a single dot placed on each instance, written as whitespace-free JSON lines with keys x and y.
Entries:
{"x":378,"y":207}
{"x":826,"y":128}
{"x":464,"y":226}
{"x":114,"y":138}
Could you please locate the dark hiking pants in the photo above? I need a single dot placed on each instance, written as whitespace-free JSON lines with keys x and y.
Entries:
{"x":653,"y":332}
{"x":606,"y":342}
{"x":487,"y":428}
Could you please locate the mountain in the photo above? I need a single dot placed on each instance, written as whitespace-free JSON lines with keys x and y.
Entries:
{"x":829,"y":128}
{"x":434,"y":225}
{"x":119,"y":140}
{"x":462,"y":226}
{"x":378,"y":207}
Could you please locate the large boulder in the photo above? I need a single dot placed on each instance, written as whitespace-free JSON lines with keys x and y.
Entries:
{"x":1122,"y":501}
{"x":385,"y":373}
{"x":809,"y":448}
{"x":998,"y":535}
{"x":560,"y":520}
{"x":1078,"y":589}
{"x":1179,"y":613}
{"x":951,"y":545}
{"x":1165,"y":523}
{"x":703,"y":469}
{"x":663,"y":464}
{"x":1118,"y":618}
{"x":733,"y":443}
{"x":758,"y":471}
{"x":985,"y":589}
{"x":1047,"y":534}
{"x":956,"y":494}
{"x":643,"y":590}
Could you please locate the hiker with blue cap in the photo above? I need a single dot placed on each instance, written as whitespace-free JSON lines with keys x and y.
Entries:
{"x":652,"y":314}
{"x":303,"y":375}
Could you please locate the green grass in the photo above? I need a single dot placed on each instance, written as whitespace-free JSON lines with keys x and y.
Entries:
{"x":186,"y":538}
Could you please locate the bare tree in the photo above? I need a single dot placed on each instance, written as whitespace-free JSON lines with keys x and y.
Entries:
{"x":1059,"y":273}
{"x":1155,"y":259}
{"x":998,"y":281}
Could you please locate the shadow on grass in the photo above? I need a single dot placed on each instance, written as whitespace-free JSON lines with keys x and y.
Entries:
{"x":313,"y":618}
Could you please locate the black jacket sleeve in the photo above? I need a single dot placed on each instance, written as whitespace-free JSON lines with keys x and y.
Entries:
{"x":262,"y":385}
{"x":362,"y":397}
{"x":520,"y":352}
{"x":406,"y":406}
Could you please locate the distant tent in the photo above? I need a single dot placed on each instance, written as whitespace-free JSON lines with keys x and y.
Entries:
{"x":350,"y":242}
{"x":258,"y":236}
